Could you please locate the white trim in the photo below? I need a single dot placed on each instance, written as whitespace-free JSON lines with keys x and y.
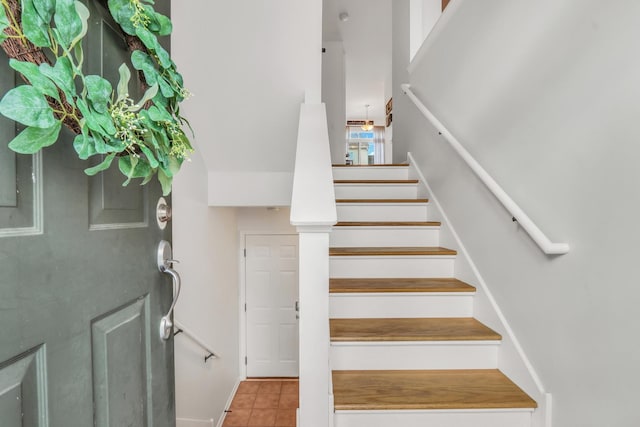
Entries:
{"x":192,"y":421}
{"x":547,"y":246}
{"x":229,"y":400}
{"x":462,"y":251}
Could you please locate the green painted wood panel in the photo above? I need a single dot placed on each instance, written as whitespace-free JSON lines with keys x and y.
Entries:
{"x":81,"y":300}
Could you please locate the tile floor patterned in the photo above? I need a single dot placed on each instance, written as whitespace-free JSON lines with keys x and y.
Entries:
{"x":268,"y":403}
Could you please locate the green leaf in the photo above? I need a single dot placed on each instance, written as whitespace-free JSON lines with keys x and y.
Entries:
{"x":122,"y":11}
{"x":143,"y":62}
{"x":165,"y":87}
{"x":78,"y":53}
{"x":147,"y":38}
{"x":166,"y":27}
{"x":67,"y":20}
{"x":98,"y":92}
{"x":123,"y":83}
{"x":165,"y":182}
{"x":134,"y":167}
{"x":32,"y":139}
{"x":26,"y":105}
{"x":32,"y":73}
{"x":83,"y":14}
{"x":45,"y":9}
{"x":101,"y":166}
{"x":158,"y":114}
{"x":98,"y":123}
{"x":148,"y":95}
{"x":164,"y":57}
{"x":84,"y":146}
{"x":34,"y":27}
{"x":106,"y":123}
{"x":4,"y":23}
{"x":153,"y":162}
{"x":62,"y":75}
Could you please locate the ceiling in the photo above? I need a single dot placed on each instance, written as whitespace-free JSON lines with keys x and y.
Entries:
{"x":366,"y":36}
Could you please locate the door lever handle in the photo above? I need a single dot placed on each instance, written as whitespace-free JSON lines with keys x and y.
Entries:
{"x":165,"y":264}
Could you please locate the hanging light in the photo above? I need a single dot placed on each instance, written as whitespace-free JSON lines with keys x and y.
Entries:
{"x":368,"y":125}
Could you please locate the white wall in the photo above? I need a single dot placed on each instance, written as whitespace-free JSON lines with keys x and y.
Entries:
{"x":205,"y":241}
{"x":334,"y":96}
{"x":249,"y":65}
{"x":545,"y":96}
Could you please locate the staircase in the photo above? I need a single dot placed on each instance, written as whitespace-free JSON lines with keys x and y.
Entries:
{"x":405,"y":349}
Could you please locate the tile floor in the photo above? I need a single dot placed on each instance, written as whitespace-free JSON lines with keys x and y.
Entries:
{"x":264,"y":403}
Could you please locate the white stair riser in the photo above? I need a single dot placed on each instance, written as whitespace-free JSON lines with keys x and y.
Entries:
{"x":441,"y":418}
{"x":376,"y":191}
{"x":391,"y":266}
{"x":411,"y":355}
{"x":372,"y":172}
{"x":400,"y":305}
{"x":384,"y":236}
{"x":382,"y":212}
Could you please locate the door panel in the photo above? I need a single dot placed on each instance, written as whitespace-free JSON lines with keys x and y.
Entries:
{"x":20,"y":176}
{"x":81,"y":296}
{"x":271,"y":294}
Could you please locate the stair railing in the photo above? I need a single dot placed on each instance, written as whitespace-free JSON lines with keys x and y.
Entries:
{"x":313,"y":213}
{"x":179,"y":328}
{"x":547,"y":246}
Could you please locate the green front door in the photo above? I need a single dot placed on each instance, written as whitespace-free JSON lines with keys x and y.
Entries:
{"x":81,"y":296}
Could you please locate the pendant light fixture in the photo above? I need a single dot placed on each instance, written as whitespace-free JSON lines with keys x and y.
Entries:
{"x":368,"y":125}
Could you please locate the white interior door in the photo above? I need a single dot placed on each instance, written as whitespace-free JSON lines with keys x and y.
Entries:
{"x":271,"y":296}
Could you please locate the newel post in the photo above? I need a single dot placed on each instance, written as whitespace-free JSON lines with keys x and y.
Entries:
{"x":314,"y":327}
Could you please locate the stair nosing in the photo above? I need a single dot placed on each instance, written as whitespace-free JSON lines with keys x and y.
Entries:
{"x":415,"y":330}
{"x":434,"y":285}
{"x":389,"y":165}
{"x":388,"y":224}
{"x":384,"y":201}
{"x":376,"y":181}
{"x":431,"y":251}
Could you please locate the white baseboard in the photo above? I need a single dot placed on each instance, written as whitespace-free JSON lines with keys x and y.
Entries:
{"x":188,"y":422}
{"x":228,"y":404}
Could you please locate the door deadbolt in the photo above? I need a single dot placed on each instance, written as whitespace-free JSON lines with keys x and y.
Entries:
{"x":163,"y":213}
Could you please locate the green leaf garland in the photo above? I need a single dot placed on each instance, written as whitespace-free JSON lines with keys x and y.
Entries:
{"x":145,"y":135}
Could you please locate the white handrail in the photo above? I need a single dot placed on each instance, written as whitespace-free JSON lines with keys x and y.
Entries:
{"x":547,"y":246}
{"x":182,"y":329}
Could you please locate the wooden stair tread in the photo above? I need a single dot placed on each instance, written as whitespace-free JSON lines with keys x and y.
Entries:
{"x":388,"y":224}
{"x":382,"y":200}
{"x":375,"y":181}
{"x":387,"y":165}
{"x":437,"y":389}
{"x":396,"y":285}
{"x":411,"y":329}
{"x":391,"y":251}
